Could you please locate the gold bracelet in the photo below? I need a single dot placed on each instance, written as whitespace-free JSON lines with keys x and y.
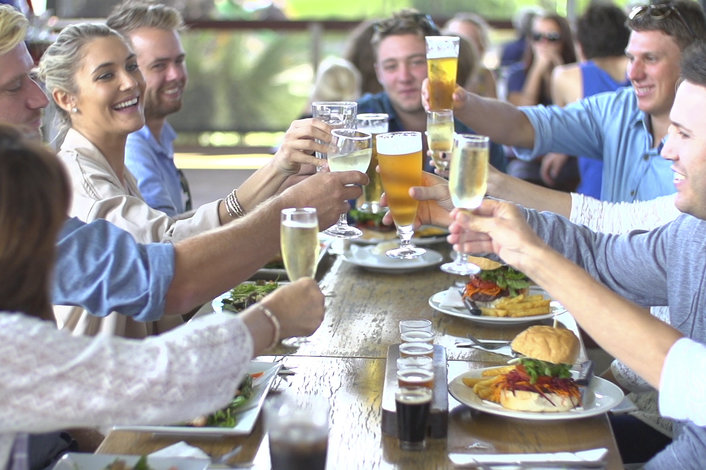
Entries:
{"x":275,"y":324}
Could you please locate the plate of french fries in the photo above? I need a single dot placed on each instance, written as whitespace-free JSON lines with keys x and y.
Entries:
{"x":474,"y":389}
{"x":524,"y":308}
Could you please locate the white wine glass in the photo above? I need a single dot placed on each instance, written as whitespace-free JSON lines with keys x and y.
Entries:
{"x":299,"y":244}
{"x":350,"y":149}
{"x":468,"y":182}
{"x":440,"y":137}
{"x":400,"y":160}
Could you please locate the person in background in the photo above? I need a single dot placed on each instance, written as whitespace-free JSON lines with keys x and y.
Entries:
{"x":529,"y":83}
{"x":601,"y":37}
{"x":359,"y":52}
{"x":514,"y":50}
{"x":474,"y":28}
{"x":624,"y":128}
{"x":52,"y":380}
{"x":401,"y":67}
{"x":336,"y":80}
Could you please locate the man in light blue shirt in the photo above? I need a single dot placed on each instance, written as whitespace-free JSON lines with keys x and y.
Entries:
{"x":625,"y":129}
{"x":162,"y":185}
{"x":153,"y":31}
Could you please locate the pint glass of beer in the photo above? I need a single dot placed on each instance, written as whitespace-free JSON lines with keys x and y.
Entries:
{"x":442,"y":64}
{"x":375,"y":124}
{"x":400,"y":159}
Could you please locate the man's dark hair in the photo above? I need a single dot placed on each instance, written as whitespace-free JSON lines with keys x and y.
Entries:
{"x":682,"y":19}
{"x":408,"y":21}
{"x":601,"y":31}
{"x":693,"y":63}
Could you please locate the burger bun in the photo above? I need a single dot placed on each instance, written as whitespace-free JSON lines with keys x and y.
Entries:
{"x":546,"y":343}
{"x":523,"y":400}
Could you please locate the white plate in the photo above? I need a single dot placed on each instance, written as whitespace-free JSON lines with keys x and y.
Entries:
{"x":246,"y":415}
{"x":555,"y":308}
{"x":365,"y":257}
{"x":81,"y":461}
{"x":599,"y":397}
{"x":217,"y":303}
{"x":372,"y":237}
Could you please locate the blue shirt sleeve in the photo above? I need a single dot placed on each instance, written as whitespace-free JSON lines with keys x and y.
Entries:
{"x":156,"y":184}
{"x":103,"y":269}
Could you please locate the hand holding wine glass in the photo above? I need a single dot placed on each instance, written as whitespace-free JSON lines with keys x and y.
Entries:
{"x":468,"y":180}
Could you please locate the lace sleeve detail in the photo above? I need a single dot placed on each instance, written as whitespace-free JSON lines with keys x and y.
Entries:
{"x":609,"y":217}
{"x":52,"y":380}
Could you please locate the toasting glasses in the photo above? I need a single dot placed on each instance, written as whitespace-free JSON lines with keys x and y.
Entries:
{"x":467,"y":184}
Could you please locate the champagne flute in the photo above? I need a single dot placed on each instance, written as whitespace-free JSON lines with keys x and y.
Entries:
{"x":375,"y":124}
{"x":349,"y":150}
{"x":442,"y":67}
{"x":440,"y":136}
{"x":299,"y":244}
{"x":468,"y":181}
{"x":400,"y":160}
{"x":337,"y":114}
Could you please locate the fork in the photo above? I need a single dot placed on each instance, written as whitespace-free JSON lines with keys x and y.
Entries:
{"x":484,"y":343}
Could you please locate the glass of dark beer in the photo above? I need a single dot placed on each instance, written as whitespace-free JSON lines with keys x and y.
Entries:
{"x":298,"y":429}
{"x":412,"y":405}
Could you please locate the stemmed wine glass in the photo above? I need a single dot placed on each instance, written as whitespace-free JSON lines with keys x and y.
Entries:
{"x":375,"y":123}
{"x":440,"y":136}
{"x":350,"y":149}
{"x":400,"y":160}
{"x":468,"y":180}
{"x":299,"y":244}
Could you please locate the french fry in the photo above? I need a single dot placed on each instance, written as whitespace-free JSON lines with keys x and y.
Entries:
{"x":497,"y":371}
{"x":519,"y":306}
{"x":472,"y":381}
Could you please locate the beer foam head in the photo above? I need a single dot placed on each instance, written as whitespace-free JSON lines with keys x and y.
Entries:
{"x":439,"y":47}
{"x":399,"y":143}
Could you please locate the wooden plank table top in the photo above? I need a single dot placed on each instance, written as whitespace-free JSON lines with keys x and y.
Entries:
{"x":344,"y":362}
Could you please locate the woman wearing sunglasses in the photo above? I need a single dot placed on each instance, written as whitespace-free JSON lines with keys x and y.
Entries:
{"x":529,"y":83}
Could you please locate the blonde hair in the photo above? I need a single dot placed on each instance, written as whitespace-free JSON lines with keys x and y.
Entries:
{"x":336,"y":80}
{"x":131,"y":15}
{"x":59,"y":63}
{"x":13,"y":28}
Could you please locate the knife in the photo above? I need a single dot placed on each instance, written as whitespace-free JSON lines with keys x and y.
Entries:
{"x":594,"y":458}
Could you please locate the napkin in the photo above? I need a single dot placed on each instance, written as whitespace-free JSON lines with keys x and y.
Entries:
{"x":452,"y":298}
{"x":594,"y":458}
{"x":181,"y":449}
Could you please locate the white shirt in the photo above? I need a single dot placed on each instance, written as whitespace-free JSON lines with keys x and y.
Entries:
{"x":52,"y":380}
{"x":682,"y":384}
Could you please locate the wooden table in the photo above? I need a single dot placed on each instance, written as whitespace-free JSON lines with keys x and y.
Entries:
{"x":344,"y":361}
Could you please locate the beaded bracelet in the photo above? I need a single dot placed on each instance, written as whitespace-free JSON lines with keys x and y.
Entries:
{"x":233,"y":207}
{"x":275,"y":324}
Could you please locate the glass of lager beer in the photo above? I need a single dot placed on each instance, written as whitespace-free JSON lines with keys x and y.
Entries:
{"x":375,"y":124}
{"x":400,"y":160}
{"x":442,"y":64}
{"x":468,"y":181}
{"x":440,"y":137}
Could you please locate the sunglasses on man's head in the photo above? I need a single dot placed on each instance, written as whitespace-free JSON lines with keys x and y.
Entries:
{"x":660,"y":11}
{"x":549,"y":37}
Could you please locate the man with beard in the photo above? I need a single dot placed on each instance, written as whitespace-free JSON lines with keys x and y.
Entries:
{"x":153,"y":31}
